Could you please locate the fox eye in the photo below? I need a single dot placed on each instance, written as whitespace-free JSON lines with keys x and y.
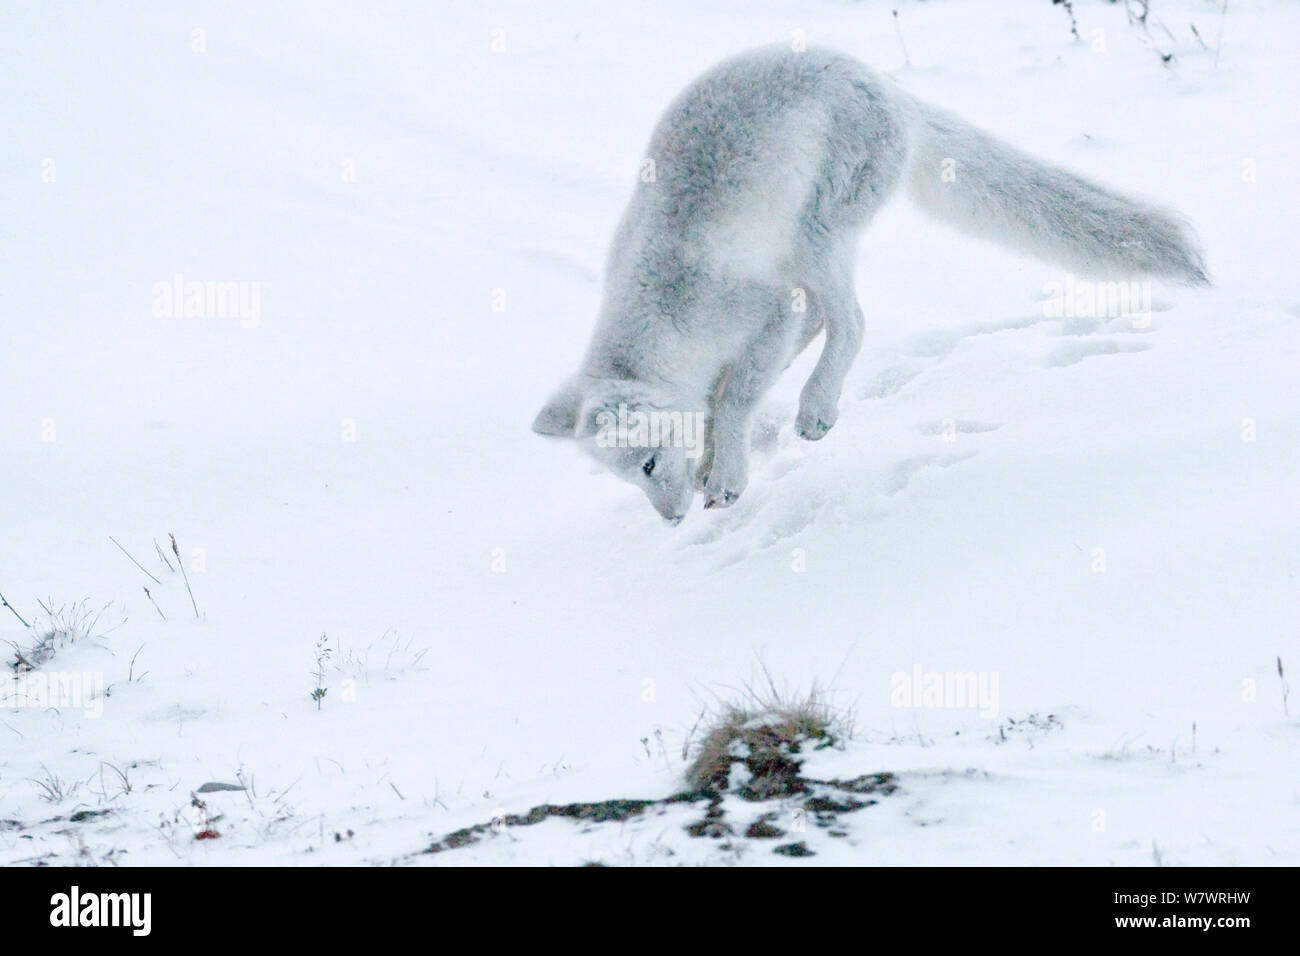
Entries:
{"x":648,"y":467}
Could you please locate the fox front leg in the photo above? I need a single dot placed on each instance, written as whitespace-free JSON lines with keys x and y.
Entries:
{"x":724,"y":467}
{"x":723,"y":472}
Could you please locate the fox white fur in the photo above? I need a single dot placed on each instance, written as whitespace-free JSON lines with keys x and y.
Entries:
{"x":739,"y":250}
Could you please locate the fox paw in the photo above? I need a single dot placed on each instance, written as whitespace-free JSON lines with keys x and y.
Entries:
{"x":724,"y":500}
{"x":812,"y":426}
{"x":818,"y":413}
{"x":721,"y":482}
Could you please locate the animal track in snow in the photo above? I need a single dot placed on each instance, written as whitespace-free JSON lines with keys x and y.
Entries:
{"x":902,"y":474}
{"x":957,"y":427}
{"x":796,"y":516}
{"x":940,"y":343}
{"x":1122,"y":325}
{"x":889,"y":381}
{"x":1074,"y":352}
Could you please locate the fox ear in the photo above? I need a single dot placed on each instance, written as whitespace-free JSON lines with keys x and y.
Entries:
{"x":559,"y":417}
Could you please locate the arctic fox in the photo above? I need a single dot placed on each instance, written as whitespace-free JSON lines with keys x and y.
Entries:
{"x":737,"y":249}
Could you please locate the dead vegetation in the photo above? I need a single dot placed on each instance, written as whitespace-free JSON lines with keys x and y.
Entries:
{"x":753,"y":747}
{"x":62,"y":626}
{"x":752,"y":752}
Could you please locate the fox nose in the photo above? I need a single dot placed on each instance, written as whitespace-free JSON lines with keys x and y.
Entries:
{"x":674,"y":521}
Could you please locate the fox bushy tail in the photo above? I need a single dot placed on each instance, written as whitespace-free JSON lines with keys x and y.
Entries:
{"x":982,"y":186}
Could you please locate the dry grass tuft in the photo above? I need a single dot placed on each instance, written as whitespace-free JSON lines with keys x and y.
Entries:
{"x":64,"y":625}
{"x":754,"y":744}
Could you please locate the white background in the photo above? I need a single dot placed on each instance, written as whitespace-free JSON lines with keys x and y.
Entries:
{"x":458,"y":690}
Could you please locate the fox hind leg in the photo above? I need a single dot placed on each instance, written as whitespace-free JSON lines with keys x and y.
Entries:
{"x":819,"y":400}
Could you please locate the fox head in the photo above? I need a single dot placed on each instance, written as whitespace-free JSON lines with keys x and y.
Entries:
{"x":634,"y":430}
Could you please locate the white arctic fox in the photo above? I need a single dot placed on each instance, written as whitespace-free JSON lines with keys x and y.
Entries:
{"x":739,"y":249}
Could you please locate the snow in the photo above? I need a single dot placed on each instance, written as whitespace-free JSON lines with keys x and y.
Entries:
{"x":1096,"y":516}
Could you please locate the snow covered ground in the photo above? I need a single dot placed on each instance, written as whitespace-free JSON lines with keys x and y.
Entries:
{"x":1097,"y":517}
